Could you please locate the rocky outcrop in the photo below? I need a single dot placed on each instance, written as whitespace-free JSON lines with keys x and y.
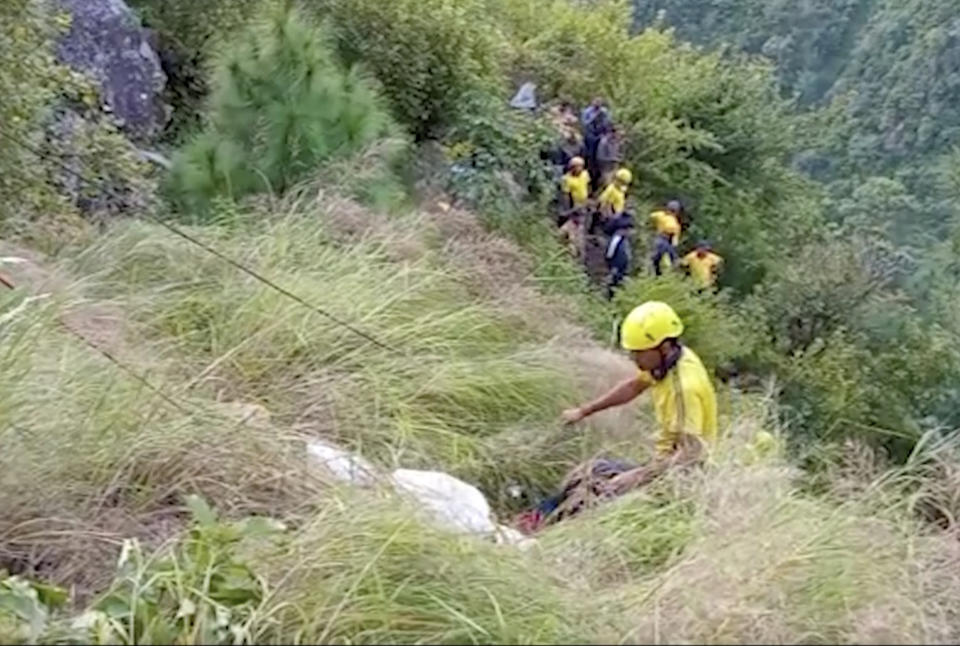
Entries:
{"x":107,"y":42}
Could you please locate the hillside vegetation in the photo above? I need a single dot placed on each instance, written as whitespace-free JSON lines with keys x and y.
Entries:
{"x":157,"y":401}
{"x":472,"y":383}
{"x":888,"y":70}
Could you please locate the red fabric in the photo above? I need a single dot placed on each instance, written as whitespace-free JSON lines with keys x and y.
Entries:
{"x":528,"y":522}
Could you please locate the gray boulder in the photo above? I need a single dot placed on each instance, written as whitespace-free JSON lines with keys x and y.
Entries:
{"x":107,"y":42}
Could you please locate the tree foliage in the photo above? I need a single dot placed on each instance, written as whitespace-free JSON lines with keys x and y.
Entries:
{"x":427,"y":54}
{"x":282,"y":105}
{"x":807,"y":41}
{"x":852,"y":350}
{"x":890,"y":70}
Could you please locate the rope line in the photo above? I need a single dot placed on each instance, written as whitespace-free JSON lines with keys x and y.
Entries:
{"x":109,"y":356}
{"x":192,"y":240}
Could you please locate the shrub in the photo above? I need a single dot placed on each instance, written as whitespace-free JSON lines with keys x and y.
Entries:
{"x":493,"y":151}
{"x":853,"y":356}
{"x":29,"y":77}
{"x":281,"y":107}
{"x":427,"y":54}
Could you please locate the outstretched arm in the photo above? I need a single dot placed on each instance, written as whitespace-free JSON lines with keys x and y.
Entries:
{"x":625,"y":392}
{"x":689,"y":451}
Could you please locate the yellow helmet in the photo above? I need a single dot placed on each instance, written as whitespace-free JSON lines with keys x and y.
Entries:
{"x":576,"y":161}
{"x":649,"y":325}
{"x":624,"y":175}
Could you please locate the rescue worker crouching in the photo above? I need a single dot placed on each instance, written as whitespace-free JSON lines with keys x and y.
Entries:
{"x":683,"y":396}
{"x":703,"y":265}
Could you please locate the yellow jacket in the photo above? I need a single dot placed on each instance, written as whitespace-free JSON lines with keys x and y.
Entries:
{"x":703,"y":269}
{"x":667,"y":224}
{"x":577,"y":187}
{"x":684,"y":402}
{"x":613,"y":197}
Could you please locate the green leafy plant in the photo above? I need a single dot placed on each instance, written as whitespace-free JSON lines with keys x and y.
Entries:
{"x":55,"y":111}
{"x":493,"y":152}
{"x":26,"y":608}
{"x":200,"y":589}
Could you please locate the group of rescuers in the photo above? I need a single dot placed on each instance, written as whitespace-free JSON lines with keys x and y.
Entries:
{"x":682,"y":391}
{"x":593,"y":200}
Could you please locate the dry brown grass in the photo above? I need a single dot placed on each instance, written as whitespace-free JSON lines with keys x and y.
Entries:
{"x":116,"y":462}
{"x":733,"y":553}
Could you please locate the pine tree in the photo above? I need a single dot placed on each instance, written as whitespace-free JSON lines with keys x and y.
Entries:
{"x":281,"y":106}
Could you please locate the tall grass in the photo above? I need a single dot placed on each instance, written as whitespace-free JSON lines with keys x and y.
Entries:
{"x":467,"y":385}
{"x":476,"y":369}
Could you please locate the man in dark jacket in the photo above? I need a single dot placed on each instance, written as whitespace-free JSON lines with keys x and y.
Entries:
{"x":596,"y":107}
{"x":609,"y":156}
{"x":593,"y":132}
{"x":619,"y":229}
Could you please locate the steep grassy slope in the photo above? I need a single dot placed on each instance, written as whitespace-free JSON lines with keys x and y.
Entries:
{"x":478,"y":366}
{"x":475,"y":374}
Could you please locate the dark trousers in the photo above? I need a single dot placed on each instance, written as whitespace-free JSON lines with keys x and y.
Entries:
{"x":662,"y":246}
{"x":614,"y":280}
{"x":618,"y":263}
{"x":593,"y":167}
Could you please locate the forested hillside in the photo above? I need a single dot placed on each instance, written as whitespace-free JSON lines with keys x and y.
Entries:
{"x":232,"y":231}
{"x":887,"y":70}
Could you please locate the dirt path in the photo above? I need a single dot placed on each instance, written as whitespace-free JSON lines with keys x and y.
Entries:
{"x":594,"y":261}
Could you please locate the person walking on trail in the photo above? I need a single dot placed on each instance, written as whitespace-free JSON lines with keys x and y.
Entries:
{"x":596,"y":123}
{"x":683,"y":396}
{"x":608,"y":155}
{"x":613,"y":199}
{"x":572,"y":233}
{"x":667,"y":224}
{"x":703,"y":265}
{"x":619,"y":230}
{"x":592,"y":111}
{"x":575,"y":185}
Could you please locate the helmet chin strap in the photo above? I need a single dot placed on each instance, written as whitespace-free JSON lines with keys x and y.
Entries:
{"x":669,"y":361}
